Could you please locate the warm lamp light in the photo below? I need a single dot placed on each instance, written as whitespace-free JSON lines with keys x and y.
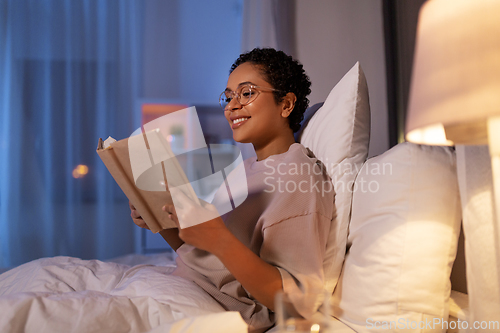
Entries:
{"x":455,"y":85}
{"x":455,"y":88}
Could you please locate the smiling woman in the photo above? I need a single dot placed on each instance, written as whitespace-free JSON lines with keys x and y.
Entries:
{"x":245,"y":257}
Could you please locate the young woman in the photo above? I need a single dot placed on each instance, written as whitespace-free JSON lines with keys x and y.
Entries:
{"x":275,"y":241}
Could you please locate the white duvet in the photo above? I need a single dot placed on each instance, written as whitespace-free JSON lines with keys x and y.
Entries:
{"x":64,"y":294}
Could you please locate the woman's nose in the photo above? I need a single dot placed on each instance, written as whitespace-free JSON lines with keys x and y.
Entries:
{"x":233,"y":105}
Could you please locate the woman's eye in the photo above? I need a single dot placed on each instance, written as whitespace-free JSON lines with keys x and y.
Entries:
{"x":247,"y":94}
{"x":228,"y":99}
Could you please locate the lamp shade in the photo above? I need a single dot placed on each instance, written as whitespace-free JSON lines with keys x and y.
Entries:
{"x":455,"y":85}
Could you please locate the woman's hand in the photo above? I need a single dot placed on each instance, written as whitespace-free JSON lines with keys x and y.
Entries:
{"x":199,"y":224}
{"x":171,"y":236}
{"x":136,"y":217}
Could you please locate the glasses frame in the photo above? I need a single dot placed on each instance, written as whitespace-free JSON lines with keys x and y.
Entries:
{"x":235,"y":94}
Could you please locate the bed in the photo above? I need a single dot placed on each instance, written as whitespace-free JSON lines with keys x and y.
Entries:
{"x":383,"y":261}
{"x":64,"y":294}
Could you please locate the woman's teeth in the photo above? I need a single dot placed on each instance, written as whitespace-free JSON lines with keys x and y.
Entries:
{"x":239,"y":120}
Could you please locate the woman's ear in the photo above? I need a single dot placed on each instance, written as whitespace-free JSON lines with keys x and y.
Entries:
{"x":288,"y":104}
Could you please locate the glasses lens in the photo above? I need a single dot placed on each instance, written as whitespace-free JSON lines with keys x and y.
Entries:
{"x":224,"y":99}
{"x":247,"y":95}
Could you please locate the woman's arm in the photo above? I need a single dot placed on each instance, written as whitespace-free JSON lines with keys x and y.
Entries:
{"x":259,"y":278}
{"x":171,"y":236}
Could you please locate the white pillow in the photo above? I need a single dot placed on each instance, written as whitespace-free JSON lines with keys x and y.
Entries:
{"x":403,"y":239}
{"x":338,"y":134}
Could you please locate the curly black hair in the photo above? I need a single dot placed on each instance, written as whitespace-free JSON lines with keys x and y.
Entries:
{"x":283,"y":73}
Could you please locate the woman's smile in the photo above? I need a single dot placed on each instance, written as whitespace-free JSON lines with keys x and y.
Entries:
{"x":239,"y":121}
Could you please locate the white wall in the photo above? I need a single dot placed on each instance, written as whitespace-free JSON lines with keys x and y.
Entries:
{"x":331,"y":36}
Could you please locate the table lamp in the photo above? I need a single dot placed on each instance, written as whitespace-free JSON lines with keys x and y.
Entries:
{"x":455,"y":100}
{"x":455,"y":88}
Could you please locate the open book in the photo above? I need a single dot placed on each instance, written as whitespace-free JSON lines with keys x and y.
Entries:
{"x":141,"y":165}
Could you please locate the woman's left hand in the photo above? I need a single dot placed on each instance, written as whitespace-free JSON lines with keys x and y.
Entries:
{"x":199,"y":224}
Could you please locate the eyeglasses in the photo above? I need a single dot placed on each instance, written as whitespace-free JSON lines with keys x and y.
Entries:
{"x":245,"y":95}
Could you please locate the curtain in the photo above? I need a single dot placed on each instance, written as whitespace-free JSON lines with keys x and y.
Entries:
{"x":269,"y":23}
{"x":69,"y":74}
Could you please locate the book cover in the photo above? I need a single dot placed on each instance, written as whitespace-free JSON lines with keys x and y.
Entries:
{"x":141,"y":166}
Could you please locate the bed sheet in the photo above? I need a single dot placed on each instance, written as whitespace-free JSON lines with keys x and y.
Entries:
{"x":64,"y":294}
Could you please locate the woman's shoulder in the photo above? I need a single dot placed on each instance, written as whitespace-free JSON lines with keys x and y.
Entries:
{"x":302,"y":160}
{"x":295,"y":153}
{"x":298,"y":151}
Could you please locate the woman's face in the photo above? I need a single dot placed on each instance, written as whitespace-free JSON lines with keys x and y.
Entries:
{"x":260,"y":121}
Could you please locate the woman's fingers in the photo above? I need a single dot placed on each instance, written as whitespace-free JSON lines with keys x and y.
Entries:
{"x":133,"y":212}
{"x":135,"y":215}
{"x":170,"y":210}
{"x":140,"y":223}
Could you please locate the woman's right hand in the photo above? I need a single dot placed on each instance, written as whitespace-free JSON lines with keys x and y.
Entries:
{"x":136,"y":217}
